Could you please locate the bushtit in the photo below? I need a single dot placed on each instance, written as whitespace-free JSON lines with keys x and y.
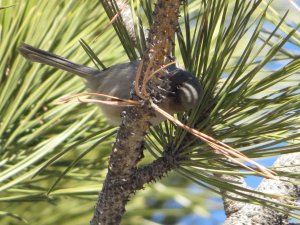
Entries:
{"x":184,"y":90}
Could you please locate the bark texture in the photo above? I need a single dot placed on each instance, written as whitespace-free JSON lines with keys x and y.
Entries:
{"x":283,"y":191}
{"x":123,"y":177}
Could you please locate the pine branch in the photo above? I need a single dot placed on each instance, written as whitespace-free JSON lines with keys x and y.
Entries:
{"x":127,"y":150}
{"x":284,"y":192}
{"x":232,"y":206}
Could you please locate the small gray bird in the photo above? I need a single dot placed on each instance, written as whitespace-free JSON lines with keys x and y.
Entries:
{"x":185,"y":91}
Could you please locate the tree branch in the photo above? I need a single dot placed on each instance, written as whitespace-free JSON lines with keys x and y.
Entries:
{"x":285,"y":187}
{"x":127,"y":18}
{"x":127,"y":150}
{"x":231,"y":206}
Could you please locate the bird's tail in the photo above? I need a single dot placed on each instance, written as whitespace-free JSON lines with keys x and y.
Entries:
{"x":44,"y":57}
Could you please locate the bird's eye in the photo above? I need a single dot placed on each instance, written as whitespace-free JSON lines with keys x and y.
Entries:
{"x":171,"y":93}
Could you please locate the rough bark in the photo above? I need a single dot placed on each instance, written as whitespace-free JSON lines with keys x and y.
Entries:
{"x":121,"y":180}
{"x":246,"y":214}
